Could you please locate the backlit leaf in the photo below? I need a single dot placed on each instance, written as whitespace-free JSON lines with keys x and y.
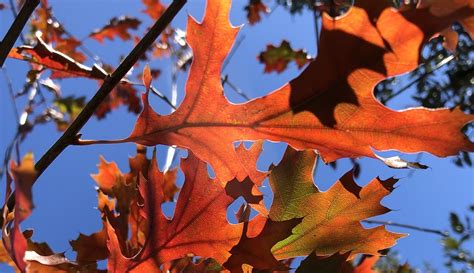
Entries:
{"x":329,"y":107}
{"x":117,"y":27}
{"x":331,"y":222}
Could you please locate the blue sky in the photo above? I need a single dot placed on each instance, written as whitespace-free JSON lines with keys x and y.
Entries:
{"x":65,"y":198}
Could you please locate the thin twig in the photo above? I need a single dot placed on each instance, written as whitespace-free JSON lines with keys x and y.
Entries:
{"x":422,"y":76}
{"x":225,"y":80}
{"x":15,"y":14}
{"x":153,"y":90}
{"x":390,"y":223}
{"x":71,"y":134}
{"x":232,"y":52}
{"x":15,"y":30}
{"x":316,"y":27}
{"x":81,"y":45}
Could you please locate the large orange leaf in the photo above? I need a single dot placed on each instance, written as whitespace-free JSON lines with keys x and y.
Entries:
{"x":199,"y":225}
{"x":329,"y":107}
{"x":331,"y":222}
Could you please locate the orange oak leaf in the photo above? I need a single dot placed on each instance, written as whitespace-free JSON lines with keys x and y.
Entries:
{"x":117,"y":27}
{"x":91,"y":248}
{"x":199,"y":225}
{"x":329,"y":107}
{"x":254,"y":8}
{"x":248,"y":159}
{"x":331,"y":222}
{"x":147,"y":77}
{"x":154,"y":8}
{"x":108,"y":176}
{"x":277,"y":58}
{"x":14,"y":241}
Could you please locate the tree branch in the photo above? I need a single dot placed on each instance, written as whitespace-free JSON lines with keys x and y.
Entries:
{"x":15,"y":29}
{"x":389,"y":223}
{"x":70,"y":135}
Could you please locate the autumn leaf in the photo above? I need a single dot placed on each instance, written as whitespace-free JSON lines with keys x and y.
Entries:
{"x":329,"y":107}
{"x":91,"y":248}
{"x":5,"y":258}
{"x":277,"y":58}
{"x":63,"y":65}
{"x":70,"y":106}
{"x":116,"y":27}
{"x":147,"y":77}
{"x":108,"y":176}
{"x":336,"y":263}
{"x":202,"y":203}
{"x":122,"y":94}
{"x":154,"y":8}
{"x":44,"y":25}
{"x":55,"y":263}
{"x":256,"y":251}
{"x":331,"y":222}
{"x":14,"y":241}
{"x":254,"y":8}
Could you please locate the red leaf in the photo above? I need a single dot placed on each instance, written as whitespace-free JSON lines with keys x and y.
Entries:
{"x":14,"y":241}
{"x":154,"y":8}
{"x":254,"y":8}
{"x":117,"y":27}
{"x":202,"y":203}
{"x":63,"y":65}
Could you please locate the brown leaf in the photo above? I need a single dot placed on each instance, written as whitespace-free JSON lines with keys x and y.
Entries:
{"x":91,"y":248}
{"x":254,"y":8}
{"x":256,"y":251}
{"x":116,"y":27}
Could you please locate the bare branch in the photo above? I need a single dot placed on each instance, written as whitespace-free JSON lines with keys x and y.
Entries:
{"x":15,"y":29}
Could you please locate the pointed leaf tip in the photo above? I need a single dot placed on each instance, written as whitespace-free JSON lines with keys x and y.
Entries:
{"x":147,"y":77}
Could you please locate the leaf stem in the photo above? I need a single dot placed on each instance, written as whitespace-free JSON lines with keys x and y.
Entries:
{"x":390,"y":223}
{"x":15,"y":29}
{"x":70,"y":136}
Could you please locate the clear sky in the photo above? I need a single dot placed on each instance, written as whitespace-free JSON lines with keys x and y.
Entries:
{"x":65,"y":198}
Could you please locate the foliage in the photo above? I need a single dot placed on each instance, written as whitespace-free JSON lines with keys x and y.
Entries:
{"x":328,"y":111}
